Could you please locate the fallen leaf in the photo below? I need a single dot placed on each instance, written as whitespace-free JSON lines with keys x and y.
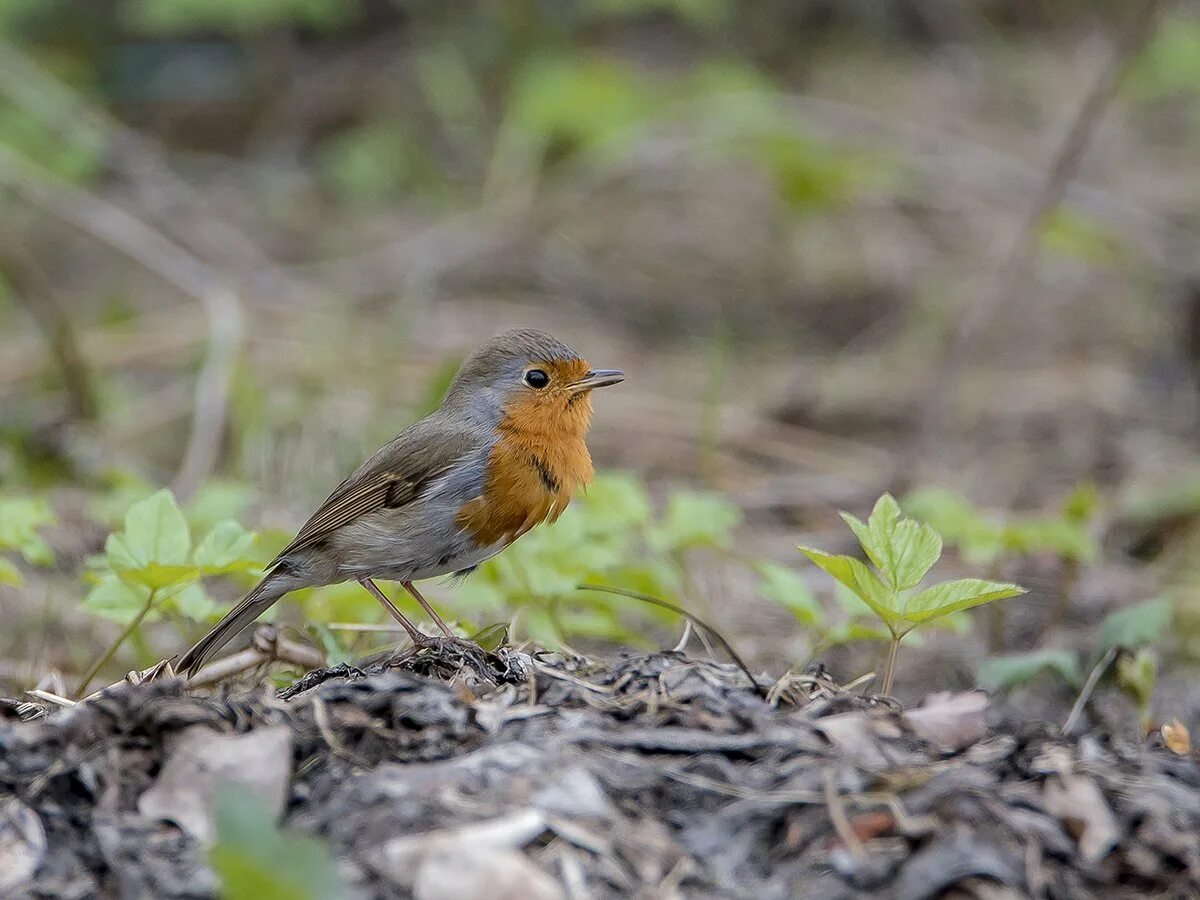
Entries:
{"x":1080,"y":805}
{"x":488,"y":872}
{"x":1175,"y":736}
{"x":200,"y":762}
{"x":402,"y":859}
{"x":951,"y":721}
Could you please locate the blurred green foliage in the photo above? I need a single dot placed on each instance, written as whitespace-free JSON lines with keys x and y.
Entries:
{"x":982,"y":538}
{"x":21,"y":518}
{"x":255,"y":859}
{"x":610,"y":537}
{"x":1132,"y":633}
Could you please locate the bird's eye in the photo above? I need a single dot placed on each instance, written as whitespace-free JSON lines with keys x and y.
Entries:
{"x":536,"y":378}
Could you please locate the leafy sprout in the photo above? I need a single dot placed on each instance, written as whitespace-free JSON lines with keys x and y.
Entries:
{"x":152,"y":568}
{"x":901,"y":552}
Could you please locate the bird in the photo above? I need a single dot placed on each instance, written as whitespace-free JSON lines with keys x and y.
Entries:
{"x":503,"y":452}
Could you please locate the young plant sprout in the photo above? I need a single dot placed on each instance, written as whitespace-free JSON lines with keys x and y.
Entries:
{"x":902,"y":551}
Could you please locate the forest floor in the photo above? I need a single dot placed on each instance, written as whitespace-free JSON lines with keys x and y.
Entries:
{"x":448,"y":774}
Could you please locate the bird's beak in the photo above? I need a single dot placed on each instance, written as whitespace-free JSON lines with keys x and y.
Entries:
{"x":598,"y":378}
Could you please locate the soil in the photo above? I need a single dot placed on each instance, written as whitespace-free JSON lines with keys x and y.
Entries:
{"x":505,"y":774}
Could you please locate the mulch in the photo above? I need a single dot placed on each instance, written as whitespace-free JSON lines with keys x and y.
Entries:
{"x":545,"y":776}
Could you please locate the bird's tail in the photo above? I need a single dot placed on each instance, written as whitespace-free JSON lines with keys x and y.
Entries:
{"x":249,"y":608}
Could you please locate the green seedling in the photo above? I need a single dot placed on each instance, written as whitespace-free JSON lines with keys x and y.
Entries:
{"x":21,"y":518}
{"x":151,"y":568}
{"x":902,"y":552}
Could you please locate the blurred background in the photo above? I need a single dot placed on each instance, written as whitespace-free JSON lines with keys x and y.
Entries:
{"x":840,"y":248}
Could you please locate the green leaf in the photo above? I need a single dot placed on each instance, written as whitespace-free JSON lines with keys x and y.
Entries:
{"x":696,"y":520}
{"x":902,"y":549}
{"x":492,"y":637}
{"x":856,"y":576}
{"x":256,"y":860}
{"x":951,"y":596}
{"x":1020,"y":668}
{"x":1136,"y":626}
{"x":855,"y":632}
{"x":10,"y":574}
{"x":156,"y":575}
{"x":192,"y":603}
{"x":791,"y":591}
{"x":111,"y":598}
{"x":156,"y":531}
{"x":225,"y":549}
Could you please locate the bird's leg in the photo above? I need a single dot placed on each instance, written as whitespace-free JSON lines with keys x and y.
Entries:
{"x":414,"y":635}
{"x":412,"y":589}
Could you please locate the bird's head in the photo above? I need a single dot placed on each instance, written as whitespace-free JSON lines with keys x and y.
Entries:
{"x":528,"y":380}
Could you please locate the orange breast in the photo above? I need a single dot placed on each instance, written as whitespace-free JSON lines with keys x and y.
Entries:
{"x":534,"y":468}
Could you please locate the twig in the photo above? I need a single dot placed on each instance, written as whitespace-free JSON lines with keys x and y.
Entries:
{"x":1088,"y":688}
{"x":1000,"y":289}
{"x":265,"y":647}
{"x":171,"y":262}
{"x":696,"y":620}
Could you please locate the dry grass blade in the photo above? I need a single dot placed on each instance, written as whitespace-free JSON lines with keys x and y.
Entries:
{"x":698,"y":622}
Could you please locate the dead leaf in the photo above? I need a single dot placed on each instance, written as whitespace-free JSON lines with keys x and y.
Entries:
{"x":1080,"y":805}
{"x":402,"y":859}
{"x":950,"y":721}
{"x":493,"y":873}
{"x":22,"y":845}
{"x":1175,"y":736}
{"x":201,"y":762}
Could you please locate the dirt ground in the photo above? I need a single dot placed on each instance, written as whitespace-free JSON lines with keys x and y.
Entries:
{"x":545,"y":777}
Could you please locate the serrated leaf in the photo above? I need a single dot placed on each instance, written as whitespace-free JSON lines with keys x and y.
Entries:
{"x":855,"y":575}
{"x":1136,"y":626}
{"x":156,"y":531}
{"x":903,"y":550}
{"x":10,"y":574}
{"x":791,"y":591}
{"x":952,"y":596}
{"x":225,"y":549}
{"x":1020,"y":668}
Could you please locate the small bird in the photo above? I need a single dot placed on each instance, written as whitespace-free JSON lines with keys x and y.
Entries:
{"x":503,"y":452}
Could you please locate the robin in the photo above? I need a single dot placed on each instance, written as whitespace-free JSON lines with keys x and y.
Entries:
{"x":503,"y":452}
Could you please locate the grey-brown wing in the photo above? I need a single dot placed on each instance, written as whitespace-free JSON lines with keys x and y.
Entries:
{"x":395,"y":476}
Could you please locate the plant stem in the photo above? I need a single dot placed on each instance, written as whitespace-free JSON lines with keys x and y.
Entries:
{"x":889,"y":668}
{"x":100,"y":663}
